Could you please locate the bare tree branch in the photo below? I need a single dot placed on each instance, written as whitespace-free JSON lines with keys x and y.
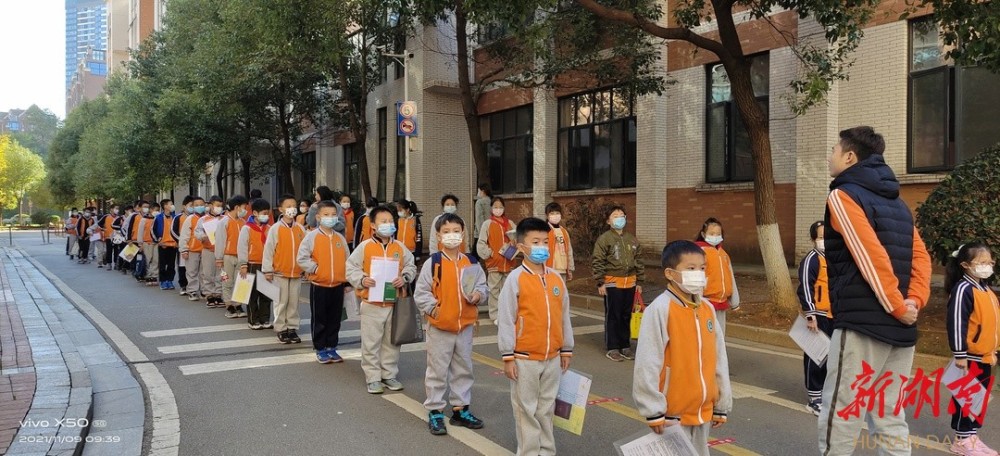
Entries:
{"x":668,"y":33}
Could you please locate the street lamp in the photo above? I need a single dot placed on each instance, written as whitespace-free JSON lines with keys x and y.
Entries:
{"x":403,"y":58}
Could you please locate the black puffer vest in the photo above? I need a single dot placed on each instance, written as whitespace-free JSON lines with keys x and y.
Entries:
{"x":872,"y":184}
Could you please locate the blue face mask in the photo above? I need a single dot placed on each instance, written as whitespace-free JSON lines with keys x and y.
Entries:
{"x":386,"y":229}
{"x":199,"y":209}
{"x":328,"y":222}
{"x":539,"y":254}
{"x":618,"y":223}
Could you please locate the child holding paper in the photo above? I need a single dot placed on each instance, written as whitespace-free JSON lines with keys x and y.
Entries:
{"x":451,"y":313}
{"x":227,"y":236}
{"x":973,"y":334}
{"x":323,"y":257}
{"x":496,"y":249}
{"x":681,"y":374}
{"x":535,"y":338}
{"x":250,"y":256}
{"x":205,"y":231}
{"x":280,"y":266}
{"x":379,"y":356}
{"x":814,"y":297}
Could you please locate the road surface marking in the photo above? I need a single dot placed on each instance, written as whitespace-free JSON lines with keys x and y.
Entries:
{"x":298,"y":358}
{"x":200,"y":330}
{"x":239,"y":343}
{"x":480,"y":444}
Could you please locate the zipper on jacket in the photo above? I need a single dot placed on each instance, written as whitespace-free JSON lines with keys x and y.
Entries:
{"x":722,"y":270}
{"x":459,"y":277}
{"x":701,"y":367}
{"x":548,"y":317}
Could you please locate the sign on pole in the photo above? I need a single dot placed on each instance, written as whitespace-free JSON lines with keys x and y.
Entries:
{"x":406,"y":118}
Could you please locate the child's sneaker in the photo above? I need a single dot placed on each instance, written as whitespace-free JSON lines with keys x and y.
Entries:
{"x":965,"y":447}
{"x":627,"y":353}
{"x":982,"y":447}
{"x":324,"y":357}
{"x":463,"y":417}
{"x":184,"y":291}
{"x":615,"y":355}
{"x":293,"y":337}
{"x":255,"y":326}
{"x":170,"y":285}
{"x":435,"y":422}
{"x":231,"y":312}
{"x":376,"y":388}
{"x":283,"y":337}
{"x":267,"y":325}
{"x":334,"y":355}
{"x":240,"y":312}
{"x":392,"y":384}
{"x":192,"y":297}
{"x":814,"y":406}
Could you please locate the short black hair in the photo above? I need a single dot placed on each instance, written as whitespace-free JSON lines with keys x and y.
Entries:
{"x":197,"y":198}
{"x":325,"y":194}
{"x":553,"y":207}
{"x":128,"y":207}
{"x":74,"y":209}
{"x":143,"y":202}
{"x":286,"y":197}
{"x":486,"y":189}
{"x":704,"y":226}
{"x":152,"y":205}
{"x":372,"y":202}
{"x":260,"y":204}
{"x":164,"y":202}
{"x":531,"y":224}
{"x":256,"y":193}
{"x":237,"y":200}
{"x":325,"y":204}
{"x":498,"y":198}
{"x":814,"y":229}
{"x":187,"y":200}
{"x":348,"y":195}
{"x":863,"y":141}
{"x":612,"y":209}
{"x":307,"y":202}
{"x":215,"y":199}
{"x":380,"y":209}
{"x":448,"y":218}
{"x":673,"y":252}
{"x":449,"y":196}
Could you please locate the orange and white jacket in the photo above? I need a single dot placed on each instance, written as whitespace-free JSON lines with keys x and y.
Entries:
{"x":281,"y":248}
{"x":227,"y":236}
{"x":323,"y":257}
{"x":360,"y":261}
{"x":492,"y":238}
{"x":681,"y":367}
{"x":442,"y":289}
{"x":533,"y":320}
{"x":188,"y":242}
{"x":720,"y":288}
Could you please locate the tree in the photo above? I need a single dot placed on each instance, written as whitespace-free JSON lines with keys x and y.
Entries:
{"x":970,"y":30}
{"x":41,"y":127}
{"x":821,"y":66}
{"x":66,"y":145}
{"x":23,"y":171}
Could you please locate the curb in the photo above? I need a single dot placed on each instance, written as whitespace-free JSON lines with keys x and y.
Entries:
{"x":98,"y":377}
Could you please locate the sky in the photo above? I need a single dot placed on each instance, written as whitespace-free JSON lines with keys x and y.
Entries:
{"x":33,"y":55}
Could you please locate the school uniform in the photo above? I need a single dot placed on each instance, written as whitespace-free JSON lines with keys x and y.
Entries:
{"x":681,"y":367}
{"x":132,"y":234}
{"x":83,"y":237}
{"x":974,"y":335}
{"x":166,"y":247}
{"x":323,"y":257}
{"x":280,"y":252}
{"x":560,"y":250}
{"x":410,"y":233}
{"x":211,"y":283}
{"x":107,"y":223}
{"x":492,"y":238}
{"x":379,"y":356}
{"x":449,"y":335}
{"x":72,"y":240}
{"x":349,"y":228}
{"x":720,"y":285}
{"x":175,"y":231}
{"x":814,"y":297}
{"x":116,"y":227}
{"x":434,"y":244}
{"x":616,"y":266}
{"x":226,"y":239}
{"x":363,"y":230}
{"x":534,"y":331}
{"x":191,"y":245}
{"x":149,"y":247}
{"x":250,"y":253}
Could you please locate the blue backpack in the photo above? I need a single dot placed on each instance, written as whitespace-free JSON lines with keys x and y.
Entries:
{"x":139,"y":268}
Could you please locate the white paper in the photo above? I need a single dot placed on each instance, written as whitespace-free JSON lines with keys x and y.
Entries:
{"x":571,"y":401}
{"x":95,"y":237}
{"x":210,"y":226}
{"x":266,"y":288}
{"x":816,"y":344}
{"x":673,"y":442}
{"x":468,"y":278}
{"x":383,"y":270}
{"x":953,"y":373}
{"x":242,"y":288}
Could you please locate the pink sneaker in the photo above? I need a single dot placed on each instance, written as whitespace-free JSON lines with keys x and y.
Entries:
{"x":981,"y":446}
{"x":967,"y":447}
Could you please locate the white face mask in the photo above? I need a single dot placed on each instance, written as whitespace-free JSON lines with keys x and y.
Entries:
{"x":401,"y":214}
{"x":450,"y":209}
{"x":982,"y":271}
{"x":291,"y":212}
{"x":497,"y":211}
{"x":216,"y":210}
{"x":451,"y":240}
{"x":263,"y":218}
{"x":693,"y":282}
{"x":345,"y":206}
{"x":820,"y":245}
{"x":555,"y":219}
{"x":145,"y":210}
{"x":713,"y":240}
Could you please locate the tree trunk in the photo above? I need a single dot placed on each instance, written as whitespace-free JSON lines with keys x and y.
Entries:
{"x":246,"y":160}
{"x":284,"y":156}
{"x":358,"y":125}
{"x":220,"y":178}
{"x":779,"y":282}
{"x":469,"y":108}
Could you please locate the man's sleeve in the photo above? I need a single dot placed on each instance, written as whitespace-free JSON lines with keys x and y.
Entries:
{"x":599,"y":261}
{"x":185,"y":235}
{"x":920,"y":272}
{"x":849,"y":219}
{"x":355,"y":267}
{"x":409,"y":271}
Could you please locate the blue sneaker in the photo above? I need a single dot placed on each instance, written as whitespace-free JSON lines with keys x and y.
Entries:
{"x":170,"y":285}
{"x":163,"y":285}
{"x":334,"y":356}
{"x":324,"y":357}
{"x":435,"y":422}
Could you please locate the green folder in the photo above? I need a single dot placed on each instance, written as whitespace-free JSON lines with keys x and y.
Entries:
{"x":390,"y":293}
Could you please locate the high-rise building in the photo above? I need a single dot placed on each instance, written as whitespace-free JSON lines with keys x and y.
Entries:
{"x":86,"y":28}
{"x":88,"y":80}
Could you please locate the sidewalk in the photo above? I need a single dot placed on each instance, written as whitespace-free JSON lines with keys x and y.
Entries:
{"x":69,"y":392}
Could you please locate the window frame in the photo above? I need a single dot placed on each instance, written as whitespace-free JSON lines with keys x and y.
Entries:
{"x":567,"y":128}
{"x":399,"y":181}
{"x":308,"y":172}
{"x":947,"y":67}
{"x":523,"y":144}
{"x":383,"y":127}
{"x":731,"y":124}
{"x":351,"y":160}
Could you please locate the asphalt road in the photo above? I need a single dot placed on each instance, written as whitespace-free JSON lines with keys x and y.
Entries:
{"x":239,"y":392}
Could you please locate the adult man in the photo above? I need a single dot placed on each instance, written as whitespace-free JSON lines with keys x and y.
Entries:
{"x":879,"y":278}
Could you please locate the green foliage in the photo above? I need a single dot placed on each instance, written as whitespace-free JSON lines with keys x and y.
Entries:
{"x":41,"y":127}
{"x":43,"y":216}
{"x":23,"y":171}
{"x":964,"y":207}
{"x":60,"y":163}
{"x":970,"y":28}
{"x":586,"y":220}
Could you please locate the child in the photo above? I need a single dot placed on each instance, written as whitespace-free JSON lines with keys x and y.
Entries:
{"x":323,"y":257}
{"x":452,"y":316}
{"x":409,"y":231}
{"x":814,"y":296}
{"x":363,"y":226}
{"x":149,"y":213}
{"x":345,"y":205}
{"x":379,"y":356}
{"x":211,"y":283}
{"x":303,"y":211}
{"x":681,"y":373}
{"x":130,"y":228}
{"x":175,"y":228}
{"x":166,"y":244}
{"x":617,"y":270}
{"x":226,"y":239}
{"x":192,"y":249}
{"x":72,"y":240}
{"x":83,"y":231}
{"x":481,"y":213}
{"x":449,"y":205}
{"x":973,"y":333}
{"x":250,"y":258}
{"x":493,"y":240}
{"x":107,"y":224}
{"x":721,"y":289}
{"x":280,"y":251}
{"x":560,"y":248}
{"x":535,"y":338}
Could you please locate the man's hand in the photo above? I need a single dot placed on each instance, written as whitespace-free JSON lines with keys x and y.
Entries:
{"x":910,"y":317}
{"x":269,"y":276}
{"x":601,"y":291}
{"x":398,"y":282}
{"x":368,"y":282}
{"x":962,"y":363}
{"x":564,"y":363}
{"x":811,"y":324}
{"x":659,"y":428}
{"x":510,"y":370}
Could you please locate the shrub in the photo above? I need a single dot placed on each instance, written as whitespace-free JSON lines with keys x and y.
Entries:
{"x":586,"y":220}
{"x":964,"y":207}
{"x":41,"y":216}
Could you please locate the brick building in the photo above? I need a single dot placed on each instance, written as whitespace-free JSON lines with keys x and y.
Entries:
{"x":681,"y":157}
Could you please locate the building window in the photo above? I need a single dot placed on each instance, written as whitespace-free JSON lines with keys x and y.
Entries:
{"x":597,"y":140}
{"x":951,"y":110}
{"x":308,"y":172}
{"x":399,"y":184}
{"x":508,"y":141}
{"x":383,"y":127}
{"x":727,"y":145}
{"x":352,"y":172}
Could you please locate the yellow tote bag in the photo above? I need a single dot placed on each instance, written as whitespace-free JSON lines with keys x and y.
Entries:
{"x":637,"y":308}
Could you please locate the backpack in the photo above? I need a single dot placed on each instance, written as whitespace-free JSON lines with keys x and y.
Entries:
{"x":139,"y":270}
{"x":436,"y":265}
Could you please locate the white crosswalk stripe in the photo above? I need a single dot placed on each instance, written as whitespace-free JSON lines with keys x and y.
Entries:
{"x":200,"y":330}
{"x":239,"y":343}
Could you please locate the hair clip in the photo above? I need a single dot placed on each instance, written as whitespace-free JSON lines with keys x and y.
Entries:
{"x":955,"y":253}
